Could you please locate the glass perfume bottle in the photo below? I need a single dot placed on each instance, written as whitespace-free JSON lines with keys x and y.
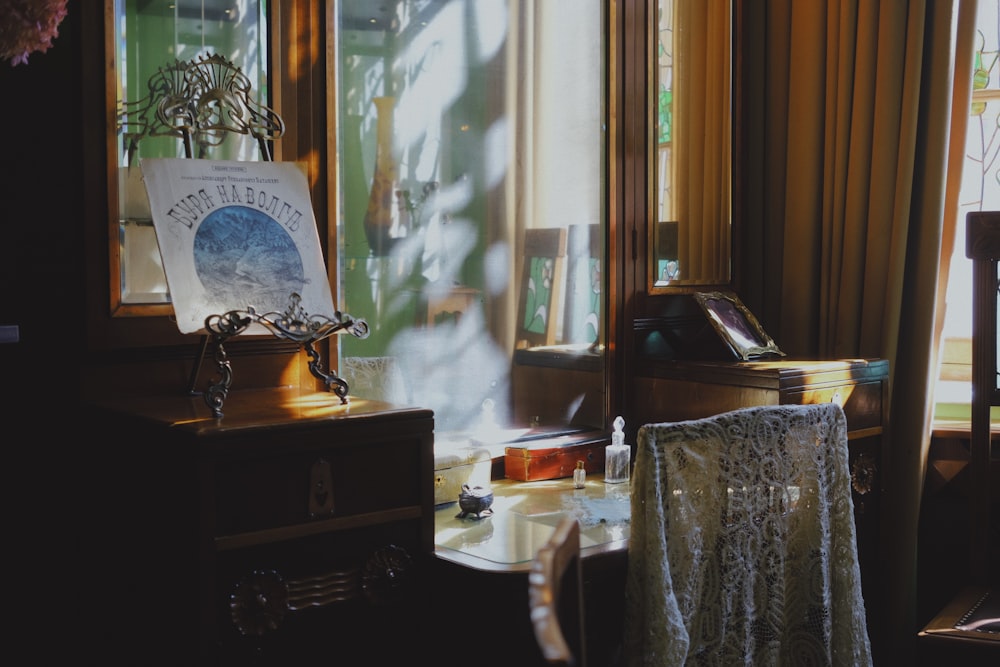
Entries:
{"x":579,"y":476}
{"x":617,"y":455}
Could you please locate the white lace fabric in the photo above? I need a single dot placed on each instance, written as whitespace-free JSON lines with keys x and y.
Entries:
{"x":377,"y":378}
{"x":742,"y":549}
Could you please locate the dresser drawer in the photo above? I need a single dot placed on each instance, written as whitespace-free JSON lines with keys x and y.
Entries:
{"x":335,"y":482}
{"x":691,"y":390}
{"x":862,"y":402}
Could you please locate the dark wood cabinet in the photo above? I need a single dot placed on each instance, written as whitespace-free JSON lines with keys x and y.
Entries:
{"x":293,"y":527}
{"x":670,"y":390}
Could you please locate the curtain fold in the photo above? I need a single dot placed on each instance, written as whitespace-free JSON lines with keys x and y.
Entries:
{"x":702,"y":117}
{"x":858,"y":124}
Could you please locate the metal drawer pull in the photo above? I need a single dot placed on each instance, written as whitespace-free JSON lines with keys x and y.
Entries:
{"x":261,"y":600}
{"x":259,"y":603}
{"x":863,"y":471}
{"x":323,"y":590}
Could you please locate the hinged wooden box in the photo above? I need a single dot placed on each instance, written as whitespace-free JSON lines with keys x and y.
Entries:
{"x":556,"y":457}
{"x":455,"y":466}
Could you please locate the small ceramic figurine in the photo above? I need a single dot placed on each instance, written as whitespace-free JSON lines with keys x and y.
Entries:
{"x":475,"y":500}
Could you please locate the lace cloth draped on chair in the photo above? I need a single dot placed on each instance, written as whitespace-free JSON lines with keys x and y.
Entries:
{"x":742,"y":548}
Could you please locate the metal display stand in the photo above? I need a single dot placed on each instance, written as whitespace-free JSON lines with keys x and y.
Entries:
{"x":294,"y":324}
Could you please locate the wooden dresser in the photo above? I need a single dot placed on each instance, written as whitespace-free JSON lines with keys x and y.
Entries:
{"x":293,"y":528}
{"x":676,"y":390}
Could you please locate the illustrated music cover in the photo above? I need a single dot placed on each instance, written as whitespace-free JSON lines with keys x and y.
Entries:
{"x":236,"y":235}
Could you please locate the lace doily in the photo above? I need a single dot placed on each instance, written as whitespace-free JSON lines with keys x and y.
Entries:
{"x":742,"y":548}
{"x":593,"y":511}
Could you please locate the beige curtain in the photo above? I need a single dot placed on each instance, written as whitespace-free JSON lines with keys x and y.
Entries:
{"x":851,"y":180}
{"x":701,"y":143}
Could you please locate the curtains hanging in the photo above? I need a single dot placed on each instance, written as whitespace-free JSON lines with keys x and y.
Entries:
{"x":702,"y":118}
{"x":854,"y":199}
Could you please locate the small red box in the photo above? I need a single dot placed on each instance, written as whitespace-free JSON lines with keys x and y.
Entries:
{"x":555,"y":457}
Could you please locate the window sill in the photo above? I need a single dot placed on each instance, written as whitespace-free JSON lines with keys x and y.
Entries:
{"x":961,"y":427}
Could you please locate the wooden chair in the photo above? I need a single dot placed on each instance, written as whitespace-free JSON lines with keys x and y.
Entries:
{"x":555,"y":588}
{"x":742,"y":544}
{"x":967,"y":630}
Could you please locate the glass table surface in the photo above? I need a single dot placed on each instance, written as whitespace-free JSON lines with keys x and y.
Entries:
{"x":525,"y":514}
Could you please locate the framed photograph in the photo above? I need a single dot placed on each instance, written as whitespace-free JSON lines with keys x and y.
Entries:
{"x":737,"y":326}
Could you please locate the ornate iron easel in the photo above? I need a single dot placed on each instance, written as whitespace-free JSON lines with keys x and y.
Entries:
{"x":200,"y":101}
{"x":293,"y":324}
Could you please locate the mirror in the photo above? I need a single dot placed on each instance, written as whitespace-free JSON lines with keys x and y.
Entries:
{"x":690,"y":230}
{"x":458,"y":255}
{"x":150,"y":35}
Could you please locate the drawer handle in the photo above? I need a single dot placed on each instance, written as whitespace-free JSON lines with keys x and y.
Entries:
{"x":387,"y":574}
{"x":263,"y":598}
{"x":323,"y":590}
{"x":836,"y":399}
{"x":320,"y":489}
{"x":863,"y":471}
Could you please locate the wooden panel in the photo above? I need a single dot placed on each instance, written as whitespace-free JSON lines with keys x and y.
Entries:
{"x":691,"y":390}
{"x":545,"y":396}
{"x":666,"y":399}
{"x":273,"y":491}
{"x":862,"y":402}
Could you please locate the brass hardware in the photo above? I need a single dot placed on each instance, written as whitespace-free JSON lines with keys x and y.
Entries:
{"x":863,"y":471}
{"x":320,"y":489}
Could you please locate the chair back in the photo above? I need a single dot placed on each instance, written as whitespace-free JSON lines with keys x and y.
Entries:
{"x":742,"y":545}
{"x":967,"y":628}
{"x":982,"y":246}
{"x":555,"y":597}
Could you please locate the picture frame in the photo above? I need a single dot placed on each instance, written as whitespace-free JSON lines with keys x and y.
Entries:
{"x":542,"y":275}
{"x":737,"y":326}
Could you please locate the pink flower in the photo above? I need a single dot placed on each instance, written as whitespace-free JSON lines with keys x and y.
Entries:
{"x":27,"y":26}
